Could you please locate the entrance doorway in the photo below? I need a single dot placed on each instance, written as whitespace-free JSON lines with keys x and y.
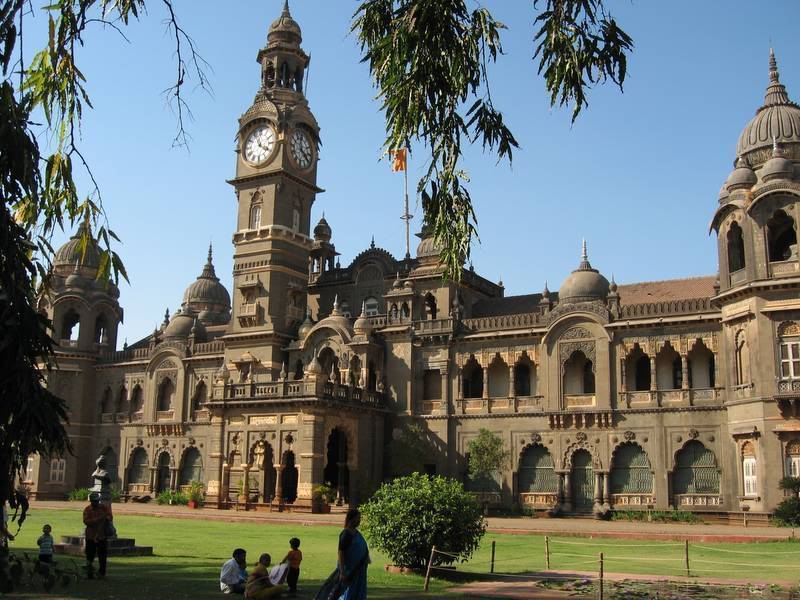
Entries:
{"x":164,"y":479}
{"x":289,"y":477}
{"x":336,"y":472}
{"x":582,"y":481}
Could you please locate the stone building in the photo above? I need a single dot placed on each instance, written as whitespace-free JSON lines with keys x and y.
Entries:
{"x":682,"y":393}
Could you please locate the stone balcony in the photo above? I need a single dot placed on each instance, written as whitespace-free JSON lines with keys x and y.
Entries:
{"x":507,"y":405}
{"x":301,"y":389}
{"x":669,"y":398}
{"x":787,"y":397}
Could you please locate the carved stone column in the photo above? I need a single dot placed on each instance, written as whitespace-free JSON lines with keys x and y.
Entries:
{"x":485,"y":383}
{"x":623,"y":376}
{"x":598,"y":487}
{"x":460,"y":376}
{"x":653,"y":377}
{"x":279,"y":484}
{"x":246,"y":484}
{"x":153,"y":479}
{"x":173,"y":479}
{"x":606,"y":486}
{"x":684,"y":371}
{"x":511,"y":390}
{"x":567,"y":493}
{"x":445,"y":406}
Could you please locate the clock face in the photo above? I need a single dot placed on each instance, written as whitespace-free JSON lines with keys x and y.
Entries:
{"x":259,"y":144}
{"x":301,"y":149}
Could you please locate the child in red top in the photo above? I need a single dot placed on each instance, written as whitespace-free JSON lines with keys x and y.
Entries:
{"x":294,"y":557}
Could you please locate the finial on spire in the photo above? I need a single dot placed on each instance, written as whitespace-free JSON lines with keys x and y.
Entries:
{"x":210,"y":252}
{"x":286,"y":12}
{"x":372,"y":243}
{"x":335,"y":310}
{"x":363,"y":308}
{"x":166,"y":316}
{"x":546,"y":289}
{"x":774,"y":76}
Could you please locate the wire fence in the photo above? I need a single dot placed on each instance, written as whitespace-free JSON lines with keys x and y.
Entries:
{"x":561,"y":555}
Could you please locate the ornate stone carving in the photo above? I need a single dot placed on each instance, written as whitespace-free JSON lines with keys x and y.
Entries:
{"x":629,"y":436}
{"x":788,"y":328}
{"x":535,"y":438}
{"x":595,"y":307}
{"x":566,"y":349}
{"x":693,"y":434}
{"x":576,"y":333}
{"x":580,"y":436}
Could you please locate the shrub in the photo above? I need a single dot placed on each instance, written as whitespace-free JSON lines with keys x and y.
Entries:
{"x":170,"y":497}
{"x":787,"y":513}
{"x":325,"y":492}
{"x":409,"y":515}
{"x":80,"y":494}
{"x":196,"y":491}
{"x":656,"y":516}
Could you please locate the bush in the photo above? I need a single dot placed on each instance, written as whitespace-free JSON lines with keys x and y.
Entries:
{"x":170,"y":497}
{"x":197,"y":491}
{"x":408,"y":516}
{"x":656,"y":516}
{"x":325,"y":492}
{"x":80,"y":495}
{"x":787,"y":513}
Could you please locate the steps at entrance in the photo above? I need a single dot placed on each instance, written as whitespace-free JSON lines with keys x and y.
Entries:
{"x":74,"y":545}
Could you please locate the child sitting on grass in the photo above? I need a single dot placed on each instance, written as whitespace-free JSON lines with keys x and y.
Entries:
{"x":294,"y":557}
{"x":45,"y":543}
{"x":259,"y":586}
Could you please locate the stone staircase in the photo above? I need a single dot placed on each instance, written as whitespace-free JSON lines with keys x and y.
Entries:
{"x":74,"y":545}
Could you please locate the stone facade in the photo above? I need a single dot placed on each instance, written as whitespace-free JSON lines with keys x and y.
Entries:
{"x":682,"y":393}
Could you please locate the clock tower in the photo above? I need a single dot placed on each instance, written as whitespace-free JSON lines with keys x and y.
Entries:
{"x":276,"y":173}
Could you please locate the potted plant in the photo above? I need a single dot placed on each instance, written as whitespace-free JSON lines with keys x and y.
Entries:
{"x":323,"y":495}
{"x":196,"y":492}
{"x":242,"y":499}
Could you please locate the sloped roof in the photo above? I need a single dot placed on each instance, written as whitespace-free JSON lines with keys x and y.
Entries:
{"x":666,"y":291}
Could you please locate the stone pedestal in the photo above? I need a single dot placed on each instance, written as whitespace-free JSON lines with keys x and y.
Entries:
{"x":75,"y":545}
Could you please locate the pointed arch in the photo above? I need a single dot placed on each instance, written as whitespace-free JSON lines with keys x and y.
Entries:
{"x":166,"y":394}
{"x":735,"y":247}
{"x":696,"y":470}
{"x":191,"y":466}
{"x":138,"y":467}
{"x":631,"y":472}
{"x":536,"y":472}
{"x":781,"y":237}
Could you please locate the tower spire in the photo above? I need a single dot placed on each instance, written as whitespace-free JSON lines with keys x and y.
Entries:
{"x":776,"y":92}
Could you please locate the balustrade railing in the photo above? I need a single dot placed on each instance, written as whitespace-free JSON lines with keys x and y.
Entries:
{"x":301,"y":388}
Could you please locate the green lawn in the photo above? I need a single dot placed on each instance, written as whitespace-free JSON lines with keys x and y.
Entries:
{"x":189,"y":554}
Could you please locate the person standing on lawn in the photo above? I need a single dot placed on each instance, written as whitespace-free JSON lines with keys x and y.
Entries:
{"x":349,"y":580}
{"x":45,"y":543}
{"x":294,"y":557}
{"x":96,"y":518}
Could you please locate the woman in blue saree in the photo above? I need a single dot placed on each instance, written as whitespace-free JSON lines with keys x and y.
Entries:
{"x":349,"y":580}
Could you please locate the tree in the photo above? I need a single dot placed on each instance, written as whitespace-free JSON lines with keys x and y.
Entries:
{"x":409,"y":515}
{"x":487,"y":457}
{"x":430,"y":62}
{"x":787,"y":513}
{"x":38,"y":196}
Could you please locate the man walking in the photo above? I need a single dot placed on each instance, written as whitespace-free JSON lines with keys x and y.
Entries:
{"x":96,"y":518}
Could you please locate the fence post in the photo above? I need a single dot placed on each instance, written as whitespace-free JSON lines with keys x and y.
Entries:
{"x":428,"y":573}
{"x":601,"y":576}
{"x":492,"y":568}
{"x":547,"y":551}
{"x":686,"y":556}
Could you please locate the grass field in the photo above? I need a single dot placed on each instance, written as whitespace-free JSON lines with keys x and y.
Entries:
{"x":189,"y":554}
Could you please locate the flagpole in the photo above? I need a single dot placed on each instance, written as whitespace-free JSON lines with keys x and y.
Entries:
{"x":406,"y":216}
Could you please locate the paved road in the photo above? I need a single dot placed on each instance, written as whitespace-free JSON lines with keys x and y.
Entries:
{"x":522,"y":525}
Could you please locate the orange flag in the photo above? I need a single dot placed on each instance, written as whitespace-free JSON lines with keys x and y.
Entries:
{"x":398,"y":159}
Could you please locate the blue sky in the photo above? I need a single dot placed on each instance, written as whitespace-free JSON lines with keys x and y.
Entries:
{"x":637,"y":175}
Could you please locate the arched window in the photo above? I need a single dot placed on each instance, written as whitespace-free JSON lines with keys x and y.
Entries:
{"x":742,"y":358}
{"x":793,"y":459}
{"x":472,"y":379}
{"x":701,"y":366}
{"x":71,"y":325}
{"x":536,"y":471}
{"x":630,"y":471}
{"x":100,"y":330}
{"x":330,"y":363}
{"x":578,"y":374}
{"x":669,"y":374}
{"x":371,"y":306}
{"x":637,"y":373}
{"x":695,"y":470}
{"x":781,"y":237}
{"x":749,"y":477}
{"x":166,"y":391}
{"x":137,"y":399}
{"x":255,"y":216}
{"x":295,"y":220}
{"x":522,"y":378}
{"x":269,"y":75}
{"x":138,"y":470}
{"x":430,"y":306}
{"x":298,"y":369}
{"x":789,"y":339}
{"x":200,"y":395}
{"x":192,"y":467}
{"x":122,"y":400}
{"x":736,"y":260}
{"x":498,"y":378}
{"x":106,"y":405}
{"x":405,"y":312}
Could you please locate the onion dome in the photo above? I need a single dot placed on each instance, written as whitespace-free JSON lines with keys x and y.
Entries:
{"x":584,"y":284}
{"x":285,"y":28}
{"x":323,"y":231}
{"x":778,"y":118}
{"x":306,"y":325}
{"x":182,"y":325}
{"x":427,"y":247}
{"x":397,"y":284}
{"x":777,"y":167}
{"x":207,"y":297}
{"x":70,"y":254}
{"x":408,"y":284}
{"x":741,"y":178}
{"x":363,"y":326}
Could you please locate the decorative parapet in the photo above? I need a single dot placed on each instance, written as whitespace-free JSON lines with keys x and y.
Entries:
{"x":502,"y":322}
{"x":306,"y":388}
{"x":686,"y":500}
{"x":124,"y":355}
{"x":674,"y":307}
{"x":633,"y":500}
{"x":214,"y":347}
{"x":680,"y":397}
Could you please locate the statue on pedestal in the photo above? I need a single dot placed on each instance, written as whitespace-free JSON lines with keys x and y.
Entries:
{"x":102,"y":482}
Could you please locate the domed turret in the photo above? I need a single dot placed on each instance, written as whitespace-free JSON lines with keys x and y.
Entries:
{"x":363,"y":326}
{"x":323,"y":231}
{"x":306,"y":325}
{"x":778,"y":119}
{"x":777,"y":167}
{"x":207,"y":297}
{"x":182,"y":325}
{"x":741,"y":178}
{"x":584,"y":284}
{"x":285,"y":28}
{"x":70,"y":254}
